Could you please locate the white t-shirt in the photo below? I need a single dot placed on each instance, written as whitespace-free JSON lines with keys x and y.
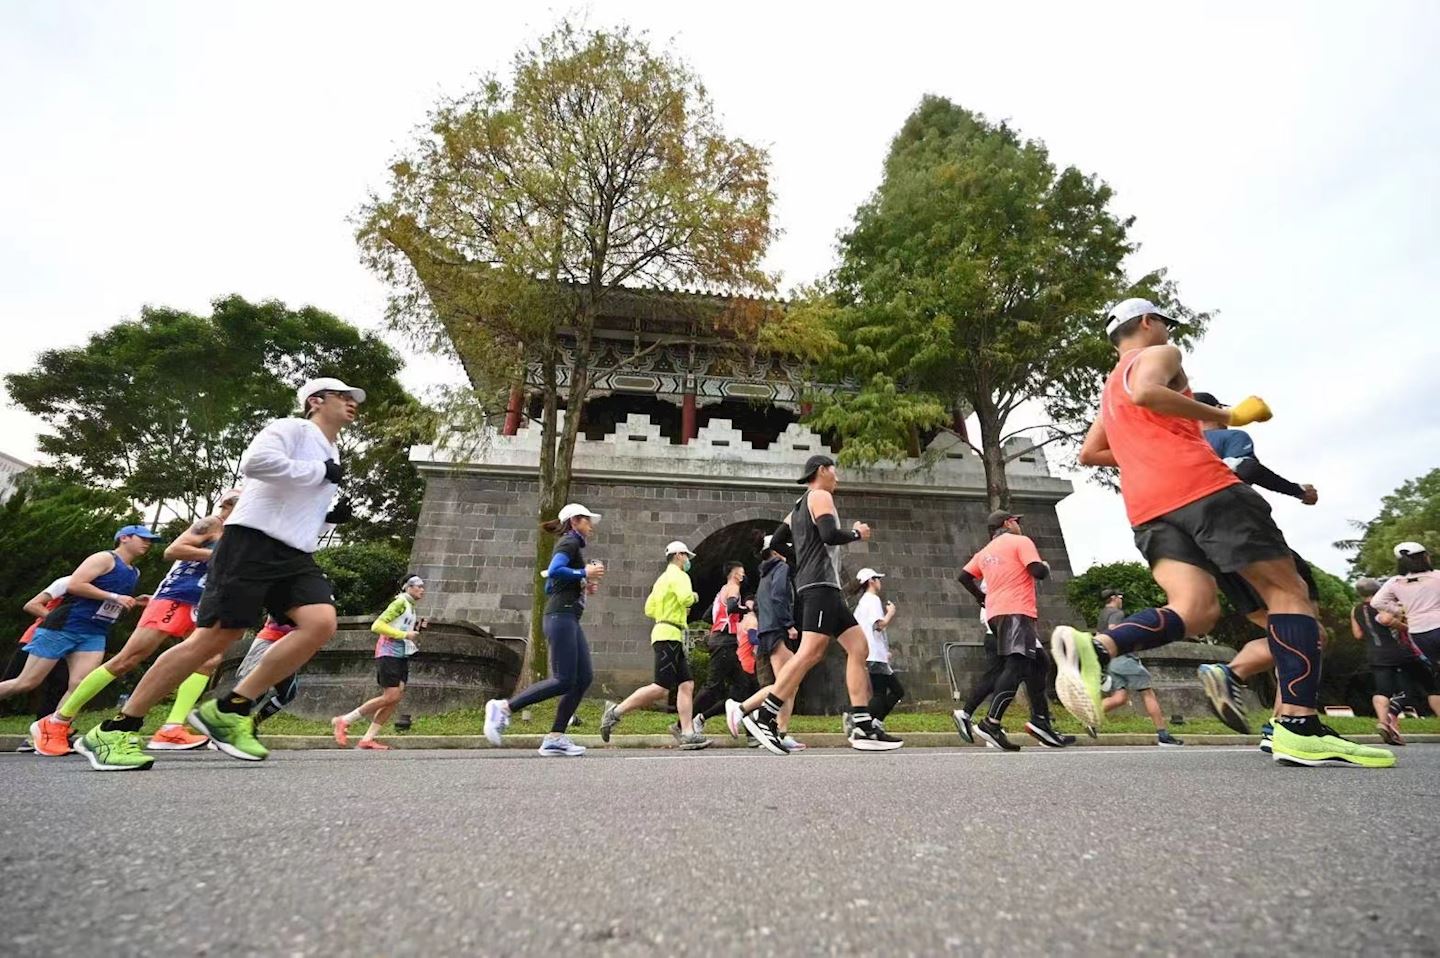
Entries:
{"x":286,"y":495}
{"x":868,"y":611}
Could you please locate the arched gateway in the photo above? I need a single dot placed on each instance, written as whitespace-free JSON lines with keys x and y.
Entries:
{"x":715,"y":483}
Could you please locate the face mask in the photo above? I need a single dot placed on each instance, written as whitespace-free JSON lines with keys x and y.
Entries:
{"x":686,"y":566}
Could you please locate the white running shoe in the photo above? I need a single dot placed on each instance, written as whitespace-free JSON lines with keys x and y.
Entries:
{"x":497,"y":718}
{"x":734,"y":715}
{"x":560,"y":747}
{"x":792,"y":745}
{"x":697,"y":725}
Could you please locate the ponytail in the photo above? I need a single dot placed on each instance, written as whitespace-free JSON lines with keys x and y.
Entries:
{"x":555,"y":526}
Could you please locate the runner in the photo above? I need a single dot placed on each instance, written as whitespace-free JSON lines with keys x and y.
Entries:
{"x":566,"y":583}
{"x":775,"y":629}
{"x":52,"y":690}
{"x":823,"y":616}
{"x":874,"y":618}
{"x":727,"y":677}
{"x":274,"y":700}
{"x":75,"y":629}
{"x":170,"y":614}
{"x":1396,"y":663}
{"x":668,"y":604}
{"x":1010,"y":566}
{"x":746,"y":643}
{"x":1193,"y":518}
{"x":1414,"y":592}
{"x":265,"y":562}
{"x":398,"y":627}
{"x":1127,"y":674}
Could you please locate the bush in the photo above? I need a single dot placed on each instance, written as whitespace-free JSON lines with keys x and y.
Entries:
{"x":366,"y":575}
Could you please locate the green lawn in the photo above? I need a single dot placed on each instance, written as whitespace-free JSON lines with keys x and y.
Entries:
{"x":470,"y":721}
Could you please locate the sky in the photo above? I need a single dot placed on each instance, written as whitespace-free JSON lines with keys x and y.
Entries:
{"x":1282,"y":160}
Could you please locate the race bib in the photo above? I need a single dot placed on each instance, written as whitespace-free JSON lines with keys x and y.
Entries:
{"x":109,"y":610}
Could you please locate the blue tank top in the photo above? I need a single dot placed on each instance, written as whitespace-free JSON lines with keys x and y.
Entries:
{"x":184,"y":582}
{"x":95,"y":616}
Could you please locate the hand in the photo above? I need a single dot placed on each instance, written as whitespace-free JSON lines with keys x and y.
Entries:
{"x":124,"y":601}
{"x":863,"y":529}
{"x":792,"y":634}
{"x":334,"y":472}
{"x":595,"y":570}
{"x":889,"y":608}
{"x":1248,"y":410}
{"x":423,"y":624}
{"x":143,"y":600}
{"x":412,"y":635}
{"x":341,"y":513}
{"x":1311,"y":496}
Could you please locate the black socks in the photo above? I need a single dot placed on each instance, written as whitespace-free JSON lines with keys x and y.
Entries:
{"x":122,"y":723}
{"x":1301,"y":724}
{"x":236,"y":704}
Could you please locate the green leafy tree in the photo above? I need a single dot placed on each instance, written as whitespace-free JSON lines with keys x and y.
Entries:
{"x":160,"y":408}
{"x":975,"y":278}
{"x":1409,"y":514}
{"x":366,"y":575}
{"x":528,"y":203}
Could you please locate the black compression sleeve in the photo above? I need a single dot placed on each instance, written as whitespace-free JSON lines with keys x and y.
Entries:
{"x":1256,"y":473}
{"x":830,"y":532}
{"x":1038,"y":570}
{"x":780,"y":538}
{"x":967,"y":581}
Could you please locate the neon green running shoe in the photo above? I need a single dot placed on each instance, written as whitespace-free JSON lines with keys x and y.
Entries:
{"x":113,"y":751}
{"x":1289,"y":748}
{"x":230,"y":732}
{"x":1078,"y":676}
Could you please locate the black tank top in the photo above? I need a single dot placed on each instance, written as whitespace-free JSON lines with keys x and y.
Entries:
{"x":813,"y":565}
{"x":1381,"y":646}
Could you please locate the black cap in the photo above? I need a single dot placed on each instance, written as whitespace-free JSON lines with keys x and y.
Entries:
{"x":813,"y":465}
{"x":1208,"y":399}
{"x":1109,"y":594}
{"x":1000,"y":517}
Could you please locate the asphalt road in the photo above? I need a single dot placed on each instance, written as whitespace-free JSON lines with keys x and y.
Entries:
{"x":966,"y":851}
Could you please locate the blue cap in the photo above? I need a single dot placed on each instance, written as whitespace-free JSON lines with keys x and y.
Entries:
{"x":141,"y":531}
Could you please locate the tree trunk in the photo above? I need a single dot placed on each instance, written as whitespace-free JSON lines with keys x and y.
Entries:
{"x":997,"y":486}
{"x":546,"y":506}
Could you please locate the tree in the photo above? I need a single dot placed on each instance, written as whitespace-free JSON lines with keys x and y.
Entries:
{"x":159,"y":409}
{"x":1410,"y":513}
{"x":975,"y":278}
{"x":366,"y":575}
{"x":527,"y":204}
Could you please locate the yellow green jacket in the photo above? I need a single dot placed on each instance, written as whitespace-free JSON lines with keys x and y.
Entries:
{"x":669,"y":604}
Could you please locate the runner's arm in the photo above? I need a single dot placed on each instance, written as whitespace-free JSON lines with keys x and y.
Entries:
{"x":1150,"y":378}
{"x":1256,"y":473}
{"x":382,"y":626}
{"x":36,"y":606}
{"x":190,"y":545}
{"x":1355,"y":629}
{"x":268,"y":457}
{"x":822,"y":510}
{"x":91,"y":569}
{"x":971,"y":585}
{"x":1096,"y":451}
{"x":1386,"y":600}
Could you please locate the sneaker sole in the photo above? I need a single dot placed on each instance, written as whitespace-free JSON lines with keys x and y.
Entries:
{"x":960,"y":727}
{"x":1171,"y":744}
{"x":98,"y":766}
{"x":695,"y":746}
{"x":1039,"y":735}
{"x":605,"y":730}
{"x":992,"y":742}
{"x":172,"y":747}
{"x":1265,"y":746}
{"x":219,"y":745}
{"x":1069,"y":685}
{"x":1212,"y":681}
{"x":558,"y":753}
{"x":1325,"y":761}
{"x":760,"y":735}
{"x":870,"y":745}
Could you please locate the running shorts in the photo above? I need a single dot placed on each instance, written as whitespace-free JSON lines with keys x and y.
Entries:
{"x":1390,"y":681}
{"x":1222,"y":532}
{"x":390,"y":671}
{"x":58,"y":643}
{"x":766,"y":642}
{"x":1246,"y":600}
{"x":1429,"y":643}
{"x":250,"y":573}
{"x":823,"y":610}
{"x":672,"y":669}
{"x":1015,"y":634}
{"x":176,"y":619}
{"x":1128,"y":672}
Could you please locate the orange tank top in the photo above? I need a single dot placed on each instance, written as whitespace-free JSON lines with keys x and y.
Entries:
{"x":1165,"y":462}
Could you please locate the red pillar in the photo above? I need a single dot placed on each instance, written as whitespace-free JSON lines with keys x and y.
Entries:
{"x":688,"y":430}
{"x":512,"y":411}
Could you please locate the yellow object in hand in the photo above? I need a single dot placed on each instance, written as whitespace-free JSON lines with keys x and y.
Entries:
{"x":1248,"y":410}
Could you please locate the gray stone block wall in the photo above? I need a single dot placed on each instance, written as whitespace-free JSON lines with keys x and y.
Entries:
{"x":476,"y":538}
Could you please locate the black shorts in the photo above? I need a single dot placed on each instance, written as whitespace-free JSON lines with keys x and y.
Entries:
{"x":823,"y":610}
{"x":1015,"y":635}
{"x":1428,"y":642}
{"x":1390,"y":681}
{"x":1223,"y":532}
{"x":1246,"y":600}
{"x":391,"y":671}
{"x":767,"y":642}
{"x":672,"y":669}
{"x":250,"y":574}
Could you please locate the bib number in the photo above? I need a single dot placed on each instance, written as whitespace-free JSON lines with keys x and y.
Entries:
{"x":109,"y":610}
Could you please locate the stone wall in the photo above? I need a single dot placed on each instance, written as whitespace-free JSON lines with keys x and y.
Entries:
{"x":476,"y":536}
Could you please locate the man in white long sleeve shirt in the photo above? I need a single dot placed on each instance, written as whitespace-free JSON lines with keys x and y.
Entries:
{"x":265,"y":562}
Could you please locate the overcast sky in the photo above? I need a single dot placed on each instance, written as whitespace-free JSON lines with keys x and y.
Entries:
{"x":1281,"y":159}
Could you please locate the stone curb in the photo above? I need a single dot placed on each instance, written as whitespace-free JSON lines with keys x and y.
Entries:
{"x":8,"y":743}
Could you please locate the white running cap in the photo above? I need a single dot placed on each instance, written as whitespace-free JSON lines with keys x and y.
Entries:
{"x":323,"y":384}
{"x":1127,"y":309}
{"x":866,"y":574}
{"x":677,"y":547}
{"x":765,"y":546}
{"x":575,"y":509}
{"x":1409,"y":549}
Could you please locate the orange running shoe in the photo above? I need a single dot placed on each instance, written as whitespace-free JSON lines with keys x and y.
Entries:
{"x":51,"y":737}
{"x":370,"y":743}
{"x":341,"y":728}
{"x":176,"y":738}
